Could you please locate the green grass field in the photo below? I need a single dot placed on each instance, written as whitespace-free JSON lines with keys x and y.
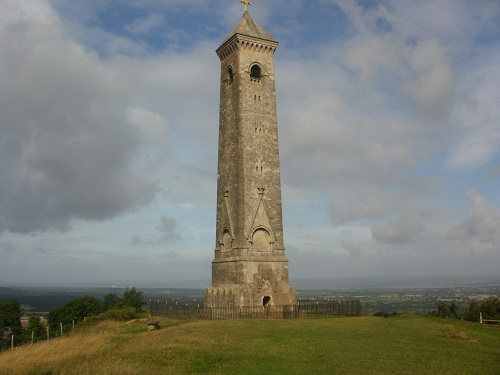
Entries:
{"x":363,"y":345}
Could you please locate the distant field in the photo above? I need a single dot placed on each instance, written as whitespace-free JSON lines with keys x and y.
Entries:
{"x":363,"y":345}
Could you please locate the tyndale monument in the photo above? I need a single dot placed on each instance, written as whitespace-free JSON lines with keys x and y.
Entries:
{"x":250,"y":268}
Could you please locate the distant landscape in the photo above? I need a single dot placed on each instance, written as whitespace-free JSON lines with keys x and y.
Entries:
{"x":416,"y":296}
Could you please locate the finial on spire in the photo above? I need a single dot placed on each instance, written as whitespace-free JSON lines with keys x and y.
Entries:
{"x":247,"y":3}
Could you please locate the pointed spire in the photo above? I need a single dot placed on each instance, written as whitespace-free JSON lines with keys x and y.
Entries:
{"x":249,"y":27}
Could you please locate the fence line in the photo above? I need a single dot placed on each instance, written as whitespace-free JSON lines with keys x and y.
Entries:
{"x":481,"y":320}
{"x":307,"y":310}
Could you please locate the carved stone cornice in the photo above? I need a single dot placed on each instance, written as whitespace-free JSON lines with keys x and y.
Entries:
{"x":245,"y":42}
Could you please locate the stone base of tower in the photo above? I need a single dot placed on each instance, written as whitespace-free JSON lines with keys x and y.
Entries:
{"x":250,"y":295}
{"x":246,"y":278}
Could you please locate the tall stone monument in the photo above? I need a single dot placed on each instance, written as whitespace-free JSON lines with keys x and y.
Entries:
{"x":250,"y":268}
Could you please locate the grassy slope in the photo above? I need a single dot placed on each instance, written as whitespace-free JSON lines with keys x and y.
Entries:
{"x":335,"y":346}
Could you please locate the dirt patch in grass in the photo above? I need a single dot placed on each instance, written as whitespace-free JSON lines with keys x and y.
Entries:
{"x":460,"y":335}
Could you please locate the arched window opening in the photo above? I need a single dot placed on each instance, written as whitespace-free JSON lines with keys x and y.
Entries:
{"x":266,"y":300}
{"x":230,"y":75}
{"x":255,"y":72}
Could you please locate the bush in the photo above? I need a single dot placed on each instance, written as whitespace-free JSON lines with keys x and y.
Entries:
{"x":76,"y":309}
{"x":94,"y":310}
{"x":120,"y":315}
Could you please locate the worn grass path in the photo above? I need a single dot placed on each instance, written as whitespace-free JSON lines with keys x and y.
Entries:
{"x":323,"y":346}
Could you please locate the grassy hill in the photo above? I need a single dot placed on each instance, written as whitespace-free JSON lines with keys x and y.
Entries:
{"x":363,"y":345}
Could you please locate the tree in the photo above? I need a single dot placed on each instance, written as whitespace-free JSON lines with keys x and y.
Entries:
{"x":10,"y":321}
{"x":471,"y":314}
{"x":491,"y":308}
{"x":76,"y":309}
{"x":454,"y":310}
{"x":133,"y":298}
{"x":443,"y":310}
{"x":34,"y":328}
{"x":110,"y":301}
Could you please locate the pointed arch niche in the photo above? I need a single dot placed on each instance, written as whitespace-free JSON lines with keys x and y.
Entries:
{"x":261,"y":239}
{"x":227,"y":240}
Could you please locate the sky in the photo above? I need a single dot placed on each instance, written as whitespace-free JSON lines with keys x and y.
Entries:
{"x":389,"y":126}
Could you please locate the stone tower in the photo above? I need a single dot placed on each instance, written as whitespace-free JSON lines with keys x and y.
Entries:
{"x":250,"y":268}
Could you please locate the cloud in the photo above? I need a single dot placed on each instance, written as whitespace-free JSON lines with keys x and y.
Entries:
{"x":386,"y":111}
{"x":481,"y":223}
{"x":136,"y":239}
{"x":168,"y":228}
{"x":365,"y":206}
{"x":153,"y":125}
{"x":145,"y":25}
{"x":65,"y":140}
{"x":433,"y":86}
{"x":7,"y":249}
{"x":400,"y":231}
{"x":476,"y":232}
{"x":373,"y":204}
{"x":475,"y":115}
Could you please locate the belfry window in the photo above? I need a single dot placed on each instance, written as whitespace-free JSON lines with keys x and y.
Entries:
{"x":255,"y":71}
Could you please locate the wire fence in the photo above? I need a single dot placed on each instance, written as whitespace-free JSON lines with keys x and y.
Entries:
{"x":308,"y":310}
{"x":44,"y":332}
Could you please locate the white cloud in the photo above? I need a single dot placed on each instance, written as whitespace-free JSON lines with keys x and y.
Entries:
{"x":481,"y":223}
{"x":66,"y":144}
{"x":433,"y":85}
{"x":475,"y":115}
{"x":153,"y":125}
{"x":145,"y":25}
